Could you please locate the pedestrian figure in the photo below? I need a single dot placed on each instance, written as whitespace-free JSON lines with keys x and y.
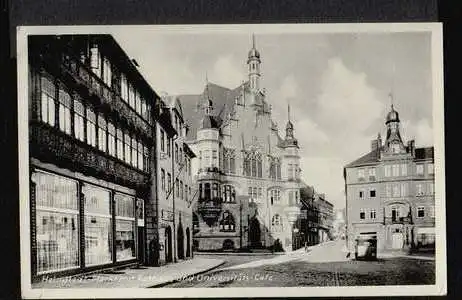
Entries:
{"x":306,"y":246}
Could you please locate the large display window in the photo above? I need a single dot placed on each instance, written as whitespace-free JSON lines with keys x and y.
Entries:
{"x":98,"y":225}
{"x":125,"y":227}
{"x":57,"y":226}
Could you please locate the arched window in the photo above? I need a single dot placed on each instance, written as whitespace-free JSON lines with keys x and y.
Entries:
{"x":253,"y":164}
{"x":227,"y":222}
{"x":229,"y":161}
{"x":275,"y":168}
{"x":229,"y":194}
{"x":276,"y":223}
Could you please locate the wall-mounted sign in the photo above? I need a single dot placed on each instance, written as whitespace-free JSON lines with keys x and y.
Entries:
{"x":140,"y":211}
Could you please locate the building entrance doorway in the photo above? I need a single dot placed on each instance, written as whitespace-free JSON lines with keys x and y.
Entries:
{"x":180,"y":242}
{"x":141,"y":244}
{"x":168,"y":244}
{"x":254,"y":233}
{"x":397,"y":240}
{"x":188,"y":243}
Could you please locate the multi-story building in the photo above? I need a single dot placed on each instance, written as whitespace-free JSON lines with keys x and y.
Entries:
{"x":309,"y":220}
{"x":390,"y":192}
{"x":91,"y":138}
{"x":248,"y":176}
{"x":175,"y":188}
{"x":326,"y":217}
{"x":95,"y":165}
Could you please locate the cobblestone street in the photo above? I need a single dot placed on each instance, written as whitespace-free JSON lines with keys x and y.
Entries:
{"x":308,"y":269}
{"x":393,"y":271}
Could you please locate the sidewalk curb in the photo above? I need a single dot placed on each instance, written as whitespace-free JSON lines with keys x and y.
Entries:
{"x":162,"y":284}
{"x":239,"y":254}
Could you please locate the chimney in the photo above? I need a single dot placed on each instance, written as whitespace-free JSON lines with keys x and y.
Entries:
{"x":411,"y":147}
{"x":374,"y":145}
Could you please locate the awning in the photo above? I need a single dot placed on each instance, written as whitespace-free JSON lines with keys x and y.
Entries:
{"x":426,"y":230}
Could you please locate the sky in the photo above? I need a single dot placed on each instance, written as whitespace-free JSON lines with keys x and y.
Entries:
{"x":337,"y":84}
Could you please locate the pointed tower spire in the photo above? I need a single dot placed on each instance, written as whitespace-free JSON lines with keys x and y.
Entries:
{"x":289,"y":126}
{"x":208,"y":105}
{"x":253,"y":63}
{"x":390,"y":97}
{"x":288,"y":111}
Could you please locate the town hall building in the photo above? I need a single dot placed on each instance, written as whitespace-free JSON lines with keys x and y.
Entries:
{"x":247,"y":174}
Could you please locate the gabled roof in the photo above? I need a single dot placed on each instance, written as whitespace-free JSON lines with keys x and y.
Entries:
{"x":369,"y":158}
{"x":373,"y":157}
{"x":223,"y":102}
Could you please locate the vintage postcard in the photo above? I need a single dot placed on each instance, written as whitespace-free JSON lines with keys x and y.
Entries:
{"x":231,"y":160}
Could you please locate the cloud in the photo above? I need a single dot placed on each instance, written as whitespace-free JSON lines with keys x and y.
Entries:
{"x":421,"y":131}
{"x":346,"y":100}
{"x":324,"y":173}
{"x":227,"y":72}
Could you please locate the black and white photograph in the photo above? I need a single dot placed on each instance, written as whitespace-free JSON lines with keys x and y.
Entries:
{"x":244,"y":160}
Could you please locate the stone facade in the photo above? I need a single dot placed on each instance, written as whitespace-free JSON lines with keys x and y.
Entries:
{"x":247,"y":175}
{"x":390,"y":193}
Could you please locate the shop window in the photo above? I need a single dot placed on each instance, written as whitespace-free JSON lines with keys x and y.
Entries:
{"x":47,"y":99}
{"x":57,"y":226}
{"x":125,"y":227}
{"x":98,"y":226}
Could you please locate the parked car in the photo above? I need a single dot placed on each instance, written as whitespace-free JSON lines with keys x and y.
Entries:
{"x":366,"y":248}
